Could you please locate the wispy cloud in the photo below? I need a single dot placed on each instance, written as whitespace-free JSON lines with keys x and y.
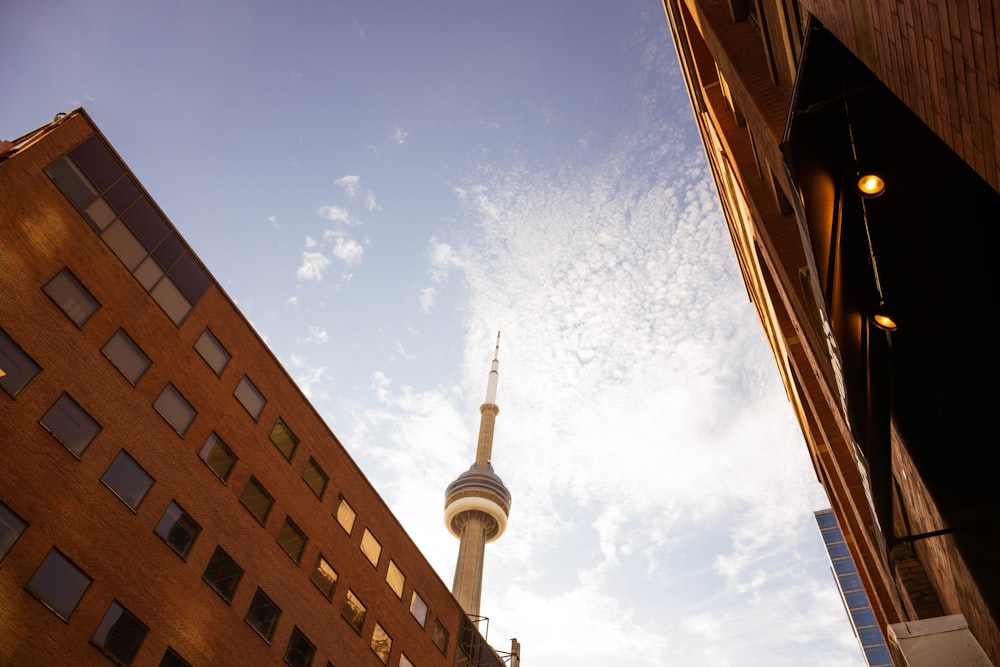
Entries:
{"x":370,"y":202}
{"x":398,"y":134}
{"x":313,"y":266}
{"x":350,"y":184}
{"x":317,"y":335}
{"x":426,"y":298}
{"x":348,"y":251}
{"x":334,"y":214}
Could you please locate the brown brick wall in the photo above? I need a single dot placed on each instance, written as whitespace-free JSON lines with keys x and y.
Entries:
{"x":940,"y":57}
{"x":66,"y":505}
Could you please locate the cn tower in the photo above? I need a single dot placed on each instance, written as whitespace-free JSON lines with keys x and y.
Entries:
{"x":477,"y":505}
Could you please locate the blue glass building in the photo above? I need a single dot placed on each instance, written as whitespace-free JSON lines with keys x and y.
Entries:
{"x":853,"y":593}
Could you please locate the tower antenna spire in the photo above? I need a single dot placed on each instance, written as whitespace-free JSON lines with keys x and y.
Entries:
{"x":477,"y":504}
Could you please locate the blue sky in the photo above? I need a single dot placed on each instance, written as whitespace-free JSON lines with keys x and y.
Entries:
{"x":380,"y":186}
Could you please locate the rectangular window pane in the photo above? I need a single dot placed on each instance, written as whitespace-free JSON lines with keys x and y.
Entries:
{"x":172,"y":659}
{"x":371,"y":547}
{"x":440,"y":637}
{"x":284,"y":439}
{"x":97,"y":162}
{"x":218,"y":457}
{"x":222,"y":574}
{"x":72,"y":297}
{"x":173,"y":407}
{"x":354,"y":611}
{"x":292,"y":539}
{"x":126,"y":356}
{"x":16,"y":367}
{"x":404,"y":661}
{"x":263,"y":615}
{"x":256,"y":499}
{"x":146,"y":223}
{"x":58,"y":583}
{"x":189,"y":277}
{"x":11,"y":527}
{"x":119,"y":635}
{"x":71,"y":182}
{"x":418,"y":608}
{"x":211,"y":350}
{"x":324,"y":577}
{"x":300,"y":650}
{"x":178,"y":529}
{"x":127,"y":479}
{"x":70,"y":424}
{"x":345,"y":515}
{"x":125,"y":246}
{"x":250,"y":397}
{"x":381,"y":643}
{"x":394,"y":577}
{"x":170,"y":299}
{"x":315,"y":478}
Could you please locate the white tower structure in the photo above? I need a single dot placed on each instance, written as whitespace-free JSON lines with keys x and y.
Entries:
{"x":477,"y":505}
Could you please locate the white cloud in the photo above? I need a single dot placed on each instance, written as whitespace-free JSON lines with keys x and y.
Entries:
{"x":349,"y":183}
{"x":309,"y":380}
{"x":273,"y":219}
{"x":398,"y":134}
{"x":426,"y":299}
{"x":312,"y":267}
{"x":310,"y":242}
{"x":317,"y":335}
{"x":370,"y":202}
{"x":442,"y":259}
{"x":292,"y":301}
{"x":334,"y":214}
{"x":348,"y":251}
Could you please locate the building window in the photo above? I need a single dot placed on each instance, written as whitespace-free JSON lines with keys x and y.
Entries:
{"x":371,"y":547}
{"x":178,"y":529}
{"x":126,"y":356}
{"x":70,"y":424}
{"x":440,"y":637}
{"x":263,"y":615}
{"x":11,"y":527}
{"x":173,"y":407}
{"x":211,"y":350}
{"x":404,"y":661}
{"x":292,"y":539}
{"x":250,"y":397}
{"x":71,"y":297}
{"x":395,"y":579}
{"x":17,"y":367}
{"x":127,"y":479}
{"x":58,"y":584}
{"x":324,"y":577}
{"x":354,"y":611}
{"x":418,"y":608}
{"x":119,"y":635}
{"x":315,"y":478}
{"x":218,"y":457}
{"x":300,"y":650}
{"x":381,"y":643}
{"x":222,"y":574}
{"x":171,"y":659}
{"x":256,"y":499}
{"x":284,"y":439}
{"x":345,"y":515}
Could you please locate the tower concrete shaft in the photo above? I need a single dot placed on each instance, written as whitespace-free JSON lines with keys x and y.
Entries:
{"x":477,"y":505}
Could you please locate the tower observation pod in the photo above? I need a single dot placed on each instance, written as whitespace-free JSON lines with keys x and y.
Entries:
{"x":477,"y":505}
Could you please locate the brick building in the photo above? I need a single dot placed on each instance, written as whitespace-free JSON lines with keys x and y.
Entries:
{"x":168,"y":496}
{"x":872,"y":291}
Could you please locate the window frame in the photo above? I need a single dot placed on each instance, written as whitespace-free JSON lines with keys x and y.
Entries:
{"x":169,"y":530}
{"x":354,"y":614}
{"x":305,"y":661}
{"x":61,"y":437}
{"x":214,"y":442}
{"x":262,"y":601}
{"x":121,"y":494}
{"x":315,"y":467}
{"x":108,"y":624}
{"x":38,"y":591}
{"x":126,"y":346}
{"x":67,"y":291}
{"x":291,"y":529}
{"x":217,"y":557}
{"x":262,"y":520}
{"x":247,"y":391}
{"x":372,"y":553}
{"x":215,"y":346}
{"x":281,"y":428}
{"x":342,"y":503}
{"x":9,"y":531}
{"x":16,"y":365}
{"x":318,"y":570}
{"x":174,"y":399}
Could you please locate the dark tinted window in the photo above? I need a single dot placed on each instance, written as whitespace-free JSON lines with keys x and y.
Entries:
{"x":126,"y":356}
{"x":171,"y":659}
{"x":218,"y":457}
{"x":122,"y":194}
{"x":146,"y":224}
{"x":300,"y":650}
{"x":97,"y":162}
{"x":127,"y":479}
{"x":256,"y":499}
{"x":119,"y":635}
{"x":17,"y":367}
{"x":223,"y":574}
{"x":284,"y":439}
{"x":58,"y":583}
{"x":178,"y":529}
{"x":189,"y":277}
{"x":292,"y":539}
{"x":11,"y":527}
{"x":263,"y":615}
{"x":70,"y":424}
{"x":440,"y":637}
{"x":72,"y":297}
{"x":315,"y":478}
